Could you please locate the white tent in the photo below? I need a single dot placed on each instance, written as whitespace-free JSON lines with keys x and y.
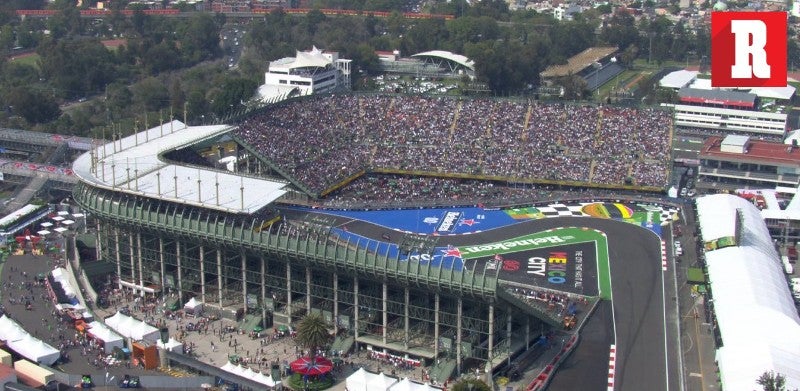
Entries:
{"x":60,"y":276}
{"x":358,"y":380}
{"x":361,"y":380}
{"x":380,"y":382}
{"x":10,"y":330}
{"x":758,"y":322}
{"x":193,"y":306}
{"x":132,"y":328}
{"x":408,"y":385}
{"x":172,"y":345}
{"x":110,"y":339}
{"x":248,"y":373}
{"x":25,"y":344}
{"x":266,"y":380}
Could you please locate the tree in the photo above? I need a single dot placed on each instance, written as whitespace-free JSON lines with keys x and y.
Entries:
{"x":150,"y":94}
{"x":471,"y":385}
{"x":233,"y":92}
{"x":35,"y":106}
{"x":312,"y":331}
{"x":772,"y":381}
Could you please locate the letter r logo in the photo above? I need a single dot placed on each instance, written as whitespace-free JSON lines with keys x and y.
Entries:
{"x":748,"y":49}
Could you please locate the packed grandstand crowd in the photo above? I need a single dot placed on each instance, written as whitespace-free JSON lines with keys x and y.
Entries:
{"x":322,"y":141}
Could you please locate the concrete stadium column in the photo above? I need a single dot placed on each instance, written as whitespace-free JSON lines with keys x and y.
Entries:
{"x":490,"y":351}
{"x":385,"y":312}
{"x":289,"y":292}
{"x":263,"y":291}
{"x":459,"y":314}
{"x":527,"y":332}
{"x":119,"y":258}
{"x":244,"y":281}
{"x":202,"y":274}
{"x":335,"y":304}
{"x":132,"y":254}
{"x":98,"y":248}
{"x":355,"y":311}
{"x":407,"y":323}
{"x":75,"y":255}
{"x":162,"y":264}
{"x":139,"y":258}
{"x":508,"y":337}
{"x":308,"y":289}
{"x":435,"y":327}
{"x":180,"y":272}
{"x":219,"y":278}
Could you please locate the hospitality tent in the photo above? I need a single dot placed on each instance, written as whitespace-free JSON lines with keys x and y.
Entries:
{"x":25,"y":344}
{"x":361,"y":380}
{"x":248,"y":373}
{"x":193,"y":306}
{"x":172,"y":345}
{"x":380,"y":382}
{"x":60,"y":276}
{"x":758,"y":322}
{"x":110,"y":339}
{"x":357,"y":381}
{"x":132,"y":328}
{"x":408,"y":385}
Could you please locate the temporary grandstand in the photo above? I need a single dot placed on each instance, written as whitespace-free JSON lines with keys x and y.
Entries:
{"x":595,"y":65}
{"x":754,"y":317}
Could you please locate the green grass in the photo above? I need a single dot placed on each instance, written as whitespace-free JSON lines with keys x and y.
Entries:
{"x":32,"y":60}
{"x":296,"y":383}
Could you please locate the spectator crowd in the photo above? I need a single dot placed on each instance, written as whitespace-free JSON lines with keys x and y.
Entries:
{"x":322,"y":141}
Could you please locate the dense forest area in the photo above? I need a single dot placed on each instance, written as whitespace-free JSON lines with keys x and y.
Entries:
{"x":176,"y":65}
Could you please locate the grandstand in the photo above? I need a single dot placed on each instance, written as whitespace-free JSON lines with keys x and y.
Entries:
{"x":483,"y":139}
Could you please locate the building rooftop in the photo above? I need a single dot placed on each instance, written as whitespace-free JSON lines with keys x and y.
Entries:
{"x":717,"y":97}
{"x":760,"y":151}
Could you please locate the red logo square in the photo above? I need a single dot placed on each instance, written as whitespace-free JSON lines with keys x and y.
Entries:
{"x":748,"y":49}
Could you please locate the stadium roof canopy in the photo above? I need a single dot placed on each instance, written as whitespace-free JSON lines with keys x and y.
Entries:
{"x":449,"y":56}
{"x":134,"y":165}
{"x":314,"y":58}
{"x":717,"y":97}
{"x":678,"y":79}
{"x":757,"y":319}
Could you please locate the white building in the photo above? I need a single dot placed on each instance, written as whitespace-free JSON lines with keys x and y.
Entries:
{"x":306,"y":73}
{"x":731,"y":121}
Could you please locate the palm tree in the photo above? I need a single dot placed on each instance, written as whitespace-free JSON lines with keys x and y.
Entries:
{"x":312,"y":331}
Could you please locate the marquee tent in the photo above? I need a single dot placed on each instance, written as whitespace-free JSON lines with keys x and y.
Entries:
{"x":132,"y":328}
{"x":408,"y":385}
{"x":361,"y":380}
{"x":757,"y":318}
{"x":60,"y":276}
{"x":109,"y":338}
{"x":248,"y":373}
{"x":25,"y":344}
{"x":193,"y":306}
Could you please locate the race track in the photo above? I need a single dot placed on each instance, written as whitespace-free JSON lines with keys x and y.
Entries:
{"x":638,"y":318}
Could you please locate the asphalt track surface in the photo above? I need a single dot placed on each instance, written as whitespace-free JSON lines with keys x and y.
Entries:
{"x":638,"y":306}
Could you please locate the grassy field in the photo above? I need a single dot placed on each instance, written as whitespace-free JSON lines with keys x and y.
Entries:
{"x":32,"y":60}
